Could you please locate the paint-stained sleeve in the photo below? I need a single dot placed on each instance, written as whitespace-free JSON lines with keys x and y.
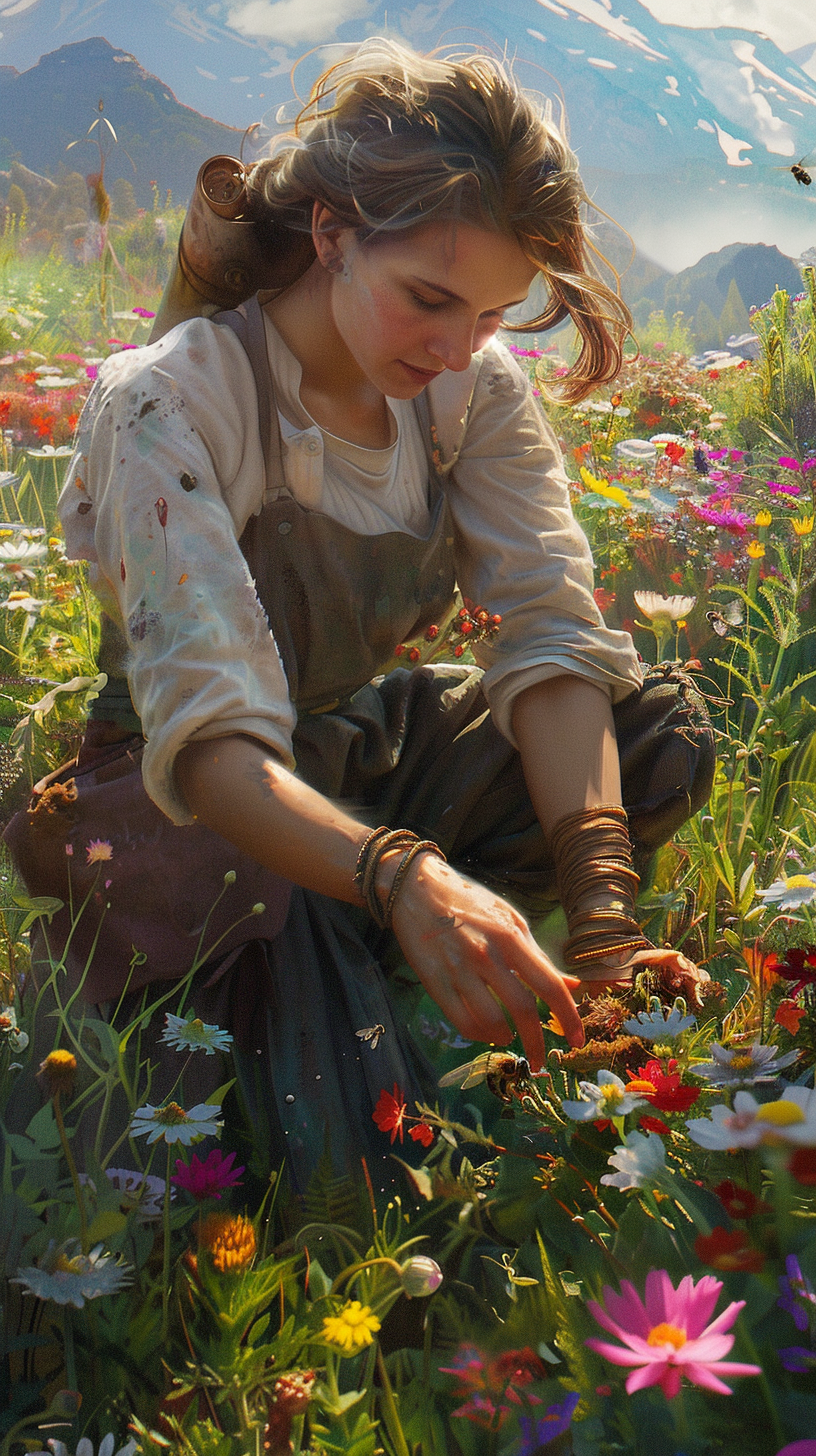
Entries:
{"x":521,"y":554}
{"x":167,"y":471}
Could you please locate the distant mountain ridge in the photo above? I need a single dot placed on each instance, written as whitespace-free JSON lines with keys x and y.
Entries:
{"x":54,"y":103}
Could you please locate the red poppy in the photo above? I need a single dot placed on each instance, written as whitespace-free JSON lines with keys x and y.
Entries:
{"x":668,"y":1093}
{"x":789,"y":1015}
{"x":516,"y":1367}
{"x":43,"y":423}
{"x":797,"y":964}
{"x":725,"y":559}
{"x":675,"y":452}
{"x":5,"y":411}
{"x":421,"y":1133}
{"x":728,"y":1249}
{"x":389,"y":1114}
{"x":676,"y":577}
{"x":802,"y":1166}
{"x":713,"y":373}
{"x":739,"y":1202}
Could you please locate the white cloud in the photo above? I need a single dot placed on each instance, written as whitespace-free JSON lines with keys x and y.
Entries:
{"x":208,"y":75}
{"x":603,"y":65}
{"x":17,"y":7}
{"x":788,"y":23}
{"x":294,"y":22}
{"x":599,"y":13}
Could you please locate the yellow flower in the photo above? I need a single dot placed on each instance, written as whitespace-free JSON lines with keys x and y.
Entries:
{"x":602,"y":487}
{"x":755,"y":550}
{"x":58,"y":1071}
{"x":230,"y":1241}
{"x":763,"y":518}
{"x":352,"y":1329}
{"x":802,"y":525}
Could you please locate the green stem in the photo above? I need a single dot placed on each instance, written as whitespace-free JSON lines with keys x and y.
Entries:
{"x":68,"y":1346}
{"x":166,"y":1252}
{"x":72,"y":1169}
{"x":764,"y":1385}
{"x":393,"y":1425}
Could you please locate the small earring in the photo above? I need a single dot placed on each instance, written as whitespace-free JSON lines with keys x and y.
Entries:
{"x":337,"y":265}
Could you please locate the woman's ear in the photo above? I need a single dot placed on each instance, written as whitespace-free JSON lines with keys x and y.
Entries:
{"x":327,"y":238}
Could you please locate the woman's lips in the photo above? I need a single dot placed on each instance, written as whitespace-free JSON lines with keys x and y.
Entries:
{"x":426,"y":375}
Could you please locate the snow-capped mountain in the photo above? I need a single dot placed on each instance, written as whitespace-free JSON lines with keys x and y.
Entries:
{"x":685,"y":136}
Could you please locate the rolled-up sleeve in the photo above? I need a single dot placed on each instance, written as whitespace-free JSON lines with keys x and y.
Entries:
{"x":167,"y":471}
{"x":521,"y":554}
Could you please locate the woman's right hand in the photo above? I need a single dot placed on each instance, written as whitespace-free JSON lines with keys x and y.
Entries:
{"x":475,"y":955}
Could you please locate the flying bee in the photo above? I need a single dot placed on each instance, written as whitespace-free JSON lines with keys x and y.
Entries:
{"x":731,"y":615}
{"x":801,"y":170}
{"x":371,"y":1034}
{"x":506,"y":1075}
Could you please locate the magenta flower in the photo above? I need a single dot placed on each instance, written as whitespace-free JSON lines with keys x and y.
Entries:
{"x":668,"y":1337}
{"x":789,"y":462}
{"x":207,"y":1179}
{"x":777,"y":487}
{"x":143,"y":313}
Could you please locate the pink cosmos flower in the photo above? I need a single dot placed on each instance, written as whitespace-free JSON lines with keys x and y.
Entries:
{"x":207,"y":1179}
{"x":669,"y":1337}
{"x":789,"y":462}
{"x":98,"y":850}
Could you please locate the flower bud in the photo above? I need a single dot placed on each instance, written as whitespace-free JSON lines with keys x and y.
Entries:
{"x":420,"y":1276}
{"x":259,"y":908}
{"x":230,"y":877}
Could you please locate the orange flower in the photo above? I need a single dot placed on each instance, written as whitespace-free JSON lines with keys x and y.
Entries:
{"x":230,"y":1241}
{"x":788,"y":1014}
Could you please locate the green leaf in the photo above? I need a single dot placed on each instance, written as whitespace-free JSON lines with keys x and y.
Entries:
{"x":36,"y":907}
{"x":107,"y":1223}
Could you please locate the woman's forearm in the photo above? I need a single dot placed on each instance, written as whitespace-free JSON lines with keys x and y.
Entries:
{"x":236,"y":786}
{"x":566,"y":737}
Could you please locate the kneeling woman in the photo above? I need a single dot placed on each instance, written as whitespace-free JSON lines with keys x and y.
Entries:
{"x":268,"y":513}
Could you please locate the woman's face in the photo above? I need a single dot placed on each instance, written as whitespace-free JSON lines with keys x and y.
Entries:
{"x":409,"y":305}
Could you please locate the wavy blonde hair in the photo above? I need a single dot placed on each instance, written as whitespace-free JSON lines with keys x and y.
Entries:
{"x":390,"y":139}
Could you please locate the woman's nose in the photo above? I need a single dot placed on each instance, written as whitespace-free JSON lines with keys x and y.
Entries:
{"x":453,"y":348}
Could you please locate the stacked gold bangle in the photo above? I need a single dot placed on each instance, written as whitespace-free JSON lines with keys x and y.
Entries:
{"x":379,"y":843}
{"x":593,"y":859}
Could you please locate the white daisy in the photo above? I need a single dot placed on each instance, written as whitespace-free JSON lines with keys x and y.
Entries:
{"x":191,"y":1034}
{"x":738,"y":1067}
{"x":175,"y":1125}
{"x":67,"y":1276}
{"x":641,"y":1159}
{"x":791,"y":1120}
{"x":790,"y":891}
{"x":653,"y":605}
{"x":654,"y":1025}
{"x":608,"y":1097}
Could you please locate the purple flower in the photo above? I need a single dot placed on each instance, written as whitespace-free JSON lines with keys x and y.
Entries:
{"x":789,"y":462}
{"x":537,"y":1431}
{"x":777,"y":487}
{"x":809,"y":464}
{"x":735,"y":521}
{"x":207,"y":1179}
{"x":796,"y":1293}
{"x":797,"y":1359}
{"x":143,"y":313}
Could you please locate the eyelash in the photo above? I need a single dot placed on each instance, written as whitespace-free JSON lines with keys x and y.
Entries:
{"x":429,"y":307}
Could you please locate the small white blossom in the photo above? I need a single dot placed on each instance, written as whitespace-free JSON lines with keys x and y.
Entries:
{"x":654,"y":1025}
{"x":642,"y":1159}
{"x":608,"y":1097}
{"x":191,"y":1034}
{"x":67,"y":1276}
{"x":653,"y":605}
{"x":85,"y":1447}
{"x":791,"y":1120}
{"x":740,"y":1067}
{"x":790,"y":891}
{"x":175,"y":1125}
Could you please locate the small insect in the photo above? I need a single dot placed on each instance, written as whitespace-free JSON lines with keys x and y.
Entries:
{"x":371,"y":1034}
{"x":504,"y":1073}
{"x":732,"y":615}
{"x":801,"y":169}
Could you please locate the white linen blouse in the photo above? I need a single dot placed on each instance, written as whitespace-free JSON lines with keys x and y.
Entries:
{"x":169,"y":468}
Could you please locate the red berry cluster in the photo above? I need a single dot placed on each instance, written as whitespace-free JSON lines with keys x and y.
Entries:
{"x":470,"y":625}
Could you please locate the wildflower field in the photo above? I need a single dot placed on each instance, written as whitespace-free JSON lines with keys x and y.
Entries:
{"x":616,"y":1255}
